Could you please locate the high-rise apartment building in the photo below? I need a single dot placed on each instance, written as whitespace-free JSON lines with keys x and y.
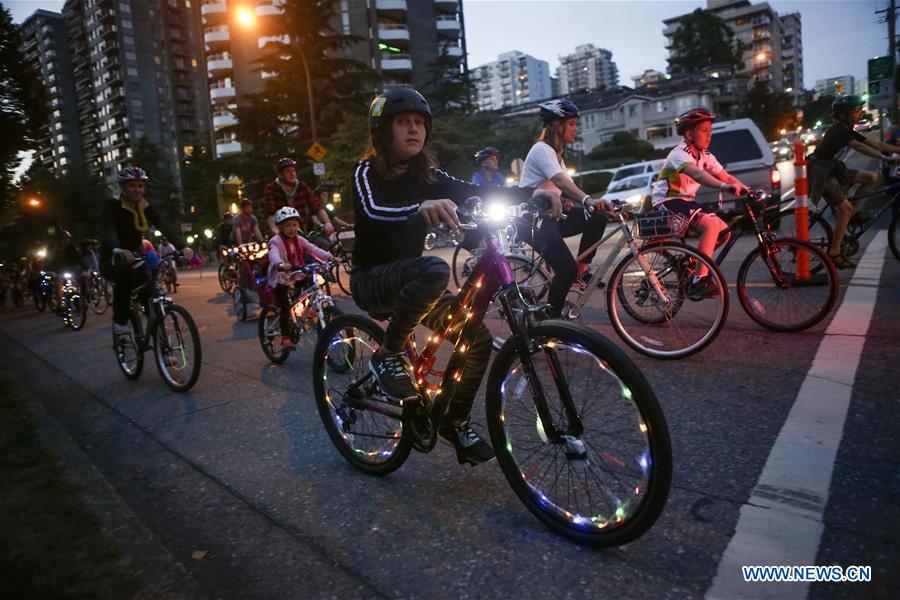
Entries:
{"x":45,"y":45}
{"x":772,"y":44}
{"x":412,"y":43}
{"x":136,"y":72}
{"x":587,"y":69}
{"x":514,"y":78}
{"x":840,"y":85}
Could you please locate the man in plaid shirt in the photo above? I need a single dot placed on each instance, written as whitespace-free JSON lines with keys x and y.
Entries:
{"x":288,"y":190}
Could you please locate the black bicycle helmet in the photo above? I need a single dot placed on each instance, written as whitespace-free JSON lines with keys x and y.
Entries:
{"x":556,"y":110}
{"x":842,"y":105}
{"x":688,"y":120}
{"x":396,"y":101}
{"x":484,"y":153}
{"x":283,"y":163}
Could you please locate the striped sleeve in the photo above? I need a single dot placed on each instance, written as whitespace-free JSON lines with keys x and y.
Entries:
{"x":370,"y":198}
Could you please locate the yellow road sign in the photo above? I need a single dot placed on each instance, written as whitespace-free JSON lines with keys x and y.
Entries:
{"x":317,"y":152}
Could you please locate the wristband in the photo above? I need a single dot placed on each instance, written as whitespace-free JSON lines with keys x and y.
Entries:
{"x":585,"y":199}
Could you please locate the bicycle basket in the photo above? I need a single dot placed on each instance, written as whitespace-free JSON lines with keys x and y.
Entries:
{"x":659,"y":224}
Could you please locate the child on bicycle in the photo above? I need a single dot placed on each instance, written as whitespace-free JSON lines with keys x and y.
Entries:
{"x":395,"y":180}
{"x":688,"y":166}
{"x":830,"y":178}
{"x":286,"y":253}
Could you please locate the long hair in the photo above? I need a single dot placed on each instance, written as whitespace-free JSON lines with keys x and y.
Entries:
{"x":420,"y":168}
{"x":551,"y":134}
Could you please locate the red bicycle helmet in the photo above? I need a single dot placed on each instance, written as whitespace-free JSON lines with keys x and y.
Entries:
{"x":691,"y":118}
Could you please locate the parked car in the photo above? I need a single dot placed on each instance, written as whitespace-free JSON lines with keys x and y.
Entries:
{"x":864,"y":125}
{"x":742,"y":149}
{"x":633,"y":190}
{"x":641,"y":168}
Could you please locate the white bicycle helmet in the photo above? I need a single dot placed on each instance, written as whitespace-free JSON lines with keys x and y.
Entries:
{"x":284,"y":213}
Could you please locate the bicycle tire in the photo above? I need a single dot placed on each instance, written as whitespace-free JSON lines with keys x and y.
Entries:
{"x":821,"y":304}
{"x":98,"y":302}
{"x":342,"y":275}
{"x":894,"y":235}
{"x":40,"y":302}
{"x":173,"y":312}
{"x":629,"y":306}
{"x":227,"y":278}
{"x":331,"y":408}
{"x":458,"y":266}
{"x":617,"y":379}
{"x":670,"y":338}
{"x":239,"y":301}
{"x":820,"y":231}
{"x":77,"y":308}
{"x":136,"y":333}
{"x":269,"y":331}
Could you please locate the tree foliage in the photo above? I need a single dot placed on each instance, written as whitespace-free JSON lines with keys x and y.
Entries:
{"x":199,"y":176}
{"x":771,"y":111}
{"x":162,"y":192}
{"x":703,"y":40}
{"x":817,"y":109}
{"x":623,"y":148}
{"x":23,"y":104}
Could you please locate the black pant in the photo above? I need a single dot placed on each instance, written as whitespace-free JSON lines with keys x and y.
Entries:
{"x":125,"y":280}
{"x":413,"y":291}
{"x":549,"y":243}
{"x":283,"y":297}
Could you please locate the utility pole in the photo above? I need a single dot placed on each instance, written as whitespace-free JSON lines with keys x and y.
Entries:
{"x":892,"y":47}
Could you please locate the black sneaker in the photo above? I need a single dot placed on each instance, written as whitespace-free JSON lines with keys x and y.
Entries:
{"x":470,"y":447}
{"x":703,"y":288}
{"x":394,"y":375}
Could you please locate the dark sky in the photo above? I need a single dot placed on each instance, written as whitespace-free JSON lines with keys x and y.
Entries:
{"x":839,"y":36}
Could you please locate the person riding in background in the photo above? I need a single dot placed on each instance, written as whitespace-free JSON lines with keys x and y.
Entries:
{"x":688,"y":166}
{"x":64,"y":257}
{"x":167,"y":249}
{"x":830,"y":178}
{"x":324,"y":196}
{"x":223,"y":232}
{"x":396,"y":179}
{"x":128,"y":220}
{"x":545,"y":168}
{"x":245,"y":226}
{"x":286,"y":253}
{"x":289,"y":190}
{"x":488,"y":160}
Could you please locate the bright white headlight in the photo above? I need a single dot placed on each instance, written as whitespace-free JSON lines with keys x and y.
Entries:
{"x":67,"y":276}
{"x":496,"y":211}
{"x":633,"y":200}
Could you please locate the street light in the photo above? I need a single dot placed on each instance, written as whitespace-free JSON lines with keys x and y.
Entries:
{"x":34,"y":202}
{"x":761,"y":56}
{"x":245,"y":17}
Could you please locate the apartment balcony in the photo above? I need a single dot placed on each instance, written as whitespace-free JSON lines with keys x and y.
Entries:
{"x":106,"y":16}
{"x":218,"y":65}
{"x":447,"y":5}
{"x":224,"y":148}
{"x":271,"y":39}
{"x":448,"y":25}
{"x":268,"y":9}
{"x":451,"y":51}
{"x":214,"y":11}
{"x":224,"y":119}
{"x":216,"y":37}
{"x":222,"y":94}
{"x":393,"y":33}
{"x":395,"y":9}
{"x":396,"y":63}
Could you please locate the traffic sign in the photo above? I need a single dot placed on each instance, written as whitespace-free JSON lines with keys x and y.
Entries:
{"x":319,"y":169}
{"x":186,"y":227}
{"x":317,"y":152}
{"x":880,"y":93}
{"x":880,"y":68}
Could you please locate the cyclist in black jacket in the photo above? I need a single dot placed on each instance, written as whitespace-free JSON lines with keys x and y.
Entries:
{"x":397,"y":179}
{"x":128,"y":223}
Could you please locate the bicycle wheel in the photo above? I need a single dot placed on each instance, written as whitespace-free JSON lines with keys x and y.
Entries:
{"x":820,"y":231}
{"x":370,"y":441}
{"x":894,"y":235}
{"x":98,"y":302}
{"x":270,"y":335}
{"x":227,"y":278}
{"x":605,"y":480}
{"x":77,"y":311}
{"x":239,"y":301}
{"x":40,"y":301}
{"x":463,"y":263}
{"x":130,"y":361}
{"x":176,"y":346}
{"x":672,"y":323}
{"x":533,"y":281}
{"x":771,"y":293}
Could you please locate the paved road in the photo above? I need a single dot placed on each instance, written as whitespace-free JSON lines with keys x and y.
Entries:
{"x":241,"y":468}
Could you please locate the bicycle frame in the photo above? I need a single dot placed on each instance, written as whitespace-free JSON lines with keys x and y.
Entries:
{"x":311,"y":298}
{"x":491,"y":279}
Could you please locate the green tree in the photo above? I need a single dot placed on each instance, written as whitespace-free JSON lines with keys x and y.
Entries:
{"x":200,"y":175}
{"x":816,"y":110}
{"x":447,"y":86}
{"x":703,"y":40}
{"x":23,"y":106}
{"x":623,"y":147}
{"x":771,"y":111}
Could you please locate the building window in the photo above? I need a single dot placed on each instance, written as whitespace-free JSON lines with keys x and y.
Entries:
{"x":661,"y":107}
{"x":126,"y":24}
{"x":129,"y":55}
{"x":659,"y":132}
{"x":125,"y":7}
{"x":632,"y":110}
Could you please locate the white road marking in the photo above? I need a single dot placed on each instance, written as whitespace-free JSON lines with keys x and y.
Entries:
{"x":781,"y":524}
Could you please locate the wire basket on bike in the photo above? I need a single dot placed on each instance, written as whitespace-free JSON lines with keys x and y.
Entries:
{"x":659,"y":224}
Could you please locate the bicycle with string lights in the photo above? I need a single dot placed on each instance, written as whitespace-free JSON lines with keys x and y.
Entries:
{"x":576,"y":427}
